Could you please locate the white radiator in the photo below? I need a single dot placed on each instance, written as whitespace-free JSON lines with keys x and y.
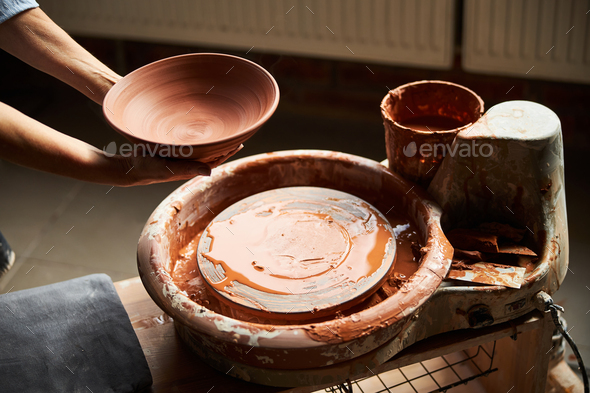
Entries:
{"x":546,"y":39}
{"x":404,"y":32}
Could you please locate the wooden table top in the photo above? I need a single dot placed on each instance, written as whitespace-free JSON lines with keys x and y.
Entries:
{"x":173,"y":366}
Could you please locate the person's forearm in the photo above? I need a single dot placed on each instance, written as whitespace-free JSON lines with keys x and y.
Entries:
{"x":35,"y":39}
{"x":27,"y":142}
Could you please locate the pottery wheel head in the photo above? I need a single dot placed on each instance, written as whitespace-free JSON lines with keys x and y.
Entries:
{"x":293,"y":259}
{"x":297,"y":251}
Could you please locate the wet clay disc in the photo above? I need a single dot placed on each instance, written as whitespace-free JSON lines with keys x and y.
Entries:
{"x":304,"y":252}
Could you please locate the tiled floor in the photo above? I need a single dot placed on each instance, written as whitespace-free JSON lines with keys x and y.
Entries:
{"x":62,"y":228}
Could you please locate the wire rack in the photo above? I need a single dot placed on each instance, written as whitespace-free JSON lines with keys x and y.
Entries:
{"x":433,"y":375}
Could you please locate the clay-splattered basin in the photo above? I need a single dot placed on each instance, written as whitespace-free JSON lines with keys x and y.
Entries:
{"x":188,"y":210}
{"x":199,"y":106}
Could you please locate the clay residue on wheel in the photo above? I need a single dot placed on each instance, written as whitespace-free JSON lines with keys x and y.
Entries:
{"x":187,"y":277}
{"x":297,"y":251}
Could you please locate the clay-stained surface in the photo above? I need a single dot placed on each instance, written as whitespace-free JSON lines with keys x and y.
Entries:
{"x":303,"y":252}
{"x":187,"y":277}
{"x":187,"y":211}
{"x":521,"y":183}
{"x":196,"y":106}
{"x":432,"y":123}
{"x":488,"y":273}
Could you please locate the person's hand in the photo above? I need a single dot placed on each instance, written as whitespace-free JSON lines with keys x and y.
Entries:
{"x":214,"y":164}
{"x":149,"y":170}
{"x":35,"y":39}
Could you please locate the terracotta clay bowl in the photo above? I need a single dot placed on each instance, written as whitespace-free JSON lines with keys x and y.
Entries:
{"x":300,"y":345}
{"x":198,"y":106}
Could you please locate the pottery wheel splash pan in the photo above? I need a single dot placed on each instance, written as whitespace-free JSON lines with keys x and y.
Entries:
{"x":250,"y":345}
{"x":300,"y":251}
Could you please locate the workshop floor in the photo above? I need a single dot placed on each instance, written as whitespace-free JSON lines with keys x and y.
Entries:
{"x":62,"y":228}
{"x":427,"y":376}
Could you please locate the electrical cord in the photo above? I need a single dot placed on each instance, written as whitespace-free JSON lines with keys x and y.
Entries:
{"x":548,"y":305}
{"x":344,"y":388}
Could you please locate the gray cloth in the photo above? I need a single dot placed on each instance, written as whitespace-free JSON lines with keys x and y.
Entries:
{"x":10,"y":8}
{"x":73,"y":336}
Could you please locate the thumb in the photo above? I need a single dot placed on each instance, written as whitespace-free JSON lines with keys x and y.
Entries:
{"x":196,"y":168}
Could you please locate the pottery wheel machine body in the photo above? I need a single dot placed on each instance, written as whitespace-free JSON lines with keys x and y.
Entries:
{"x":520,"y":183}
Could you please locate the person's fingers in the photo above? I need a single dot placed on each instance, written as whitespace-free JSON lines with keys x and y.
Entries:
{"x":185,"y":169}
{"x":204,"y":170}
{"x":149,"y":170}
{"x":198,"y":168}
{"x":221,"y":160}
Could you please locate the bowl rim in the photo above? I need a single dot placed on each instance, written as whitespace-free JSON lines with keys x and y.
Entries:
{"x":108,"y":114}
{"x":387,"y":116}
